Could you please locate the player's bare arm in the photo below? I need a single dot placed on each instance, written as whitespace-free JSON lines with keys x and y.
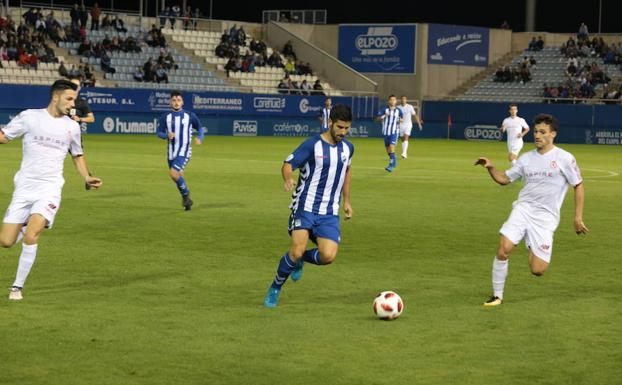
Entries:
{"x":497,"y":175}
{"x":524,"y":132}
{"x":288,"y":181}
{"x":3,"y":138}
{"x":92,"y":181}
{"x":579,"y":201}
{"x":347,"y":207}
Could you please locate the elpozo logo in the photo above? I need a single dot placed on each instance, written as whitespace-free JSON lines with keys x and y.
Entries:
{"x":377,"y":41}
{"x":245,"y":128}
{"x":482,"y":132}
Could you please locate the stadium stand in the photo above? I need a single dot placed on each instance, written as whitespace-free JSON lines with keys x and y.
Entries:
{"x":550,"y":70}
{"x":264,"y":79}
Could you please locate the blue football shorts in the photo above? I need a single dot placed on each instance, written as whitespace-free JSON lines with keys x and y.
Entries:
{"x":319,"y":226}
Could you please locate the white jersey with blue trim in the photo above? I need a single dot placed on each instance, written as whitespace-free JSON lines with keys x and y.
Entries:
{"x":181,"y":124}
{"x":322,"y":174}
{"x":325,"y":117}
{"x":391,"y":121}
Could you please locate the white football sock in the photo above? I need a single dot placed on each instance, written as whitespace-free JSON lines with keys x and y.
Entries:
{"x":26,"y":260}
{"x":499,"y":274}
{"x":405,"y":147}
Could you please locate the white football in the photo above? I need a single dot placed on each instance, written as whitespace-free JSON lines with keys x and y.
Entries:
{"x":388,"y":305}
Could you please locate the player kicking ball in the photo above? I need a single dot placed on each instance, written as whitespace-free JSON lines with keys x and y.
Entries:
{"x":547,"y":172}
{"x":324,"y":161}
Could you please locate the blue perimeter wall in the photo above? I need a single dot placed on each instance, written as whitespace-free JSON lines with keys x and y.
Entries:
{"x":125,"y":111}
{"x":579,"y":123}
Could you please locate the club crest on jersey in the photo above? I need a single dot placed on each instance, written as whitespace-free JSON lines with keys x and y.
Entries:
{"x":344,"y":157}
{"x":553,"y":164}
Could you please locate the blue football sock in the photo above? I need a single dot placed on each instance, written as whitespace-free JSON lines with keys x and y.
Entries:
{"x":182,"y":187}
{"x":393,"y":161}
{"x":312,"y":256}
{"x":286,"y":266}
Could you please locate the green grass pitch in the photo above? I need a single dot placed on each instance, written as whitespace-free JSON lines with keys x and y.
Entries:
{"x":130,"y":289}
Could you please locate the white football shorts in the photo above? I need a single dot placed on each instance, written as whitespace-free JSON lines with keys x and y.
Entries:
{"x":405,"y":129}
{"x":515,"y":146}
{"x":21,"y":208}
{"x":538,"y":238}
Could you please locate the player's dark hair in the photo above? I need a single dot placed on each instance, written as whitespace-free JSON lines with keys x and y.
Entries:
{"x":62,"y":85}
{"x":391,"y":96}
{"x":513,"y":105}
{"x":547,"y":119}
{"x":176,"y":93}
{"x":341,"y":112}
{"x":404,"y":96}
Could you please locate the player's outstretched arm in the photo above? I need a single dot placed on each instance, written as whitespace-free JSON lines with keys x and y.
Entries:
{"x":347,"y":207}
{"x":84,"y":171}
{"x":496,"y":175}
{"x":288,"y":181}
{"x":579,"y":201}
{"x":3,"y":138}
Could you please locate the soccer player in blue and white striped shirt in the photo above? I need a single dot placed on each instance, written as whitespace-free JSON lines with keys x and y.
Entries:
{"x":325,"y":115}
{"x":324,"y":161}
{"x":176,"y":127}
{"x":391,"y":117}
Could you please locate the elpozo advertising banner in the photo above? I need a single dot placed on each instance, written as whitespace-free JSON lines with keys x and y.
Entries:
{"x":378,"y":48}
{"x":458,"y":45}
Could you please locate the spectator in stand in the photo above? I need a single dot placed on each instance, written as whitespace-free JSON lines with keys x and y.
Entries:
{"x":95,"y":14}
{"x":505,"y":25}
{"x":233,"y":33}
{"x":40,"y":25}
{"x":149,"y":70}
{"x":139,"y":75}
{"x":118,"y":24}
{"x":175,"y":13}
{"x":230,"y":66}
{"x":241,"y":39}
{"x":106,"y":23}
{"x":258,"y":46}
{"x":195,"y":15}
{"x":225,"y":38}
{"x":533,"y":45}
{"x":62,"y":70}
{"x":583,"y":32}
{"x":290,"y":67}
{"x":30,"y":17}
{"x":540,"y":43}
{"x":305,"y":88}
{"x":75,"y":16}
{"x":282,"y":87}
{"x":275,"y":60}
{"x":317,"y":88}
{"x":288,"y":50}
{"x":161,"y":75}
{"x":187,"y":16}
{"x":84,"y":16}
{"x":169,"y":62}
{"x":106,"y":63}
{"x":532,"y":62}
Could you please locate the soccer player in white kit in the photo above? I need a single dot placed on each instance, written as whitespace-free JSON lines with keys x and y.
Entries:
{"x":516,"y":129}
{"x":48,"y":134}
{"x":547,"y":172}
{"x":408,"y":112}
